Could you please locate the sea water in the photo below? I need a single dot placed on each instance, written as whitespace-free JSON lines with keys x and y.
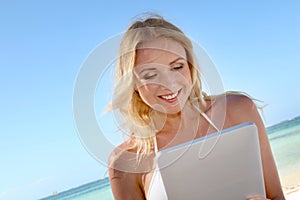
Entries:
{"x":285,"y":143}
{"x":99,"y":189}
{"x":284,"y":140}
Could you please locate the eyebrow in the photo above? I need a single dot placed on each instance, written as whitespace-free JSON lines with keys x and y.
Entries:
{"x":146,"y":69}
{"x":174,"y":61}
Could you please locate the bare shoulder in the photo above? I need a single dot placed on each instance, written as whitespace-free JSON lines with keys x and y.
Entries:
{"x":236,"y":107}
{"x":240,"y":108}
{"x":125,"y":160}
{"x":120,"y":156}
{"x":239,"y":99}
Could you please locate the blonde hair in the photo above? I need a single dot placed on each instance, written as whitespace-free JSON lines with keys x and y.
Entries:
{"x":138,"y":115}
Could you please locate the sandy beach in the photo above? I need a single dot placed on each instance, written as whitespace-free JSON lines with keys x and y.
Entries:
{"x":291,"y":186}
{"x":293,"y":194}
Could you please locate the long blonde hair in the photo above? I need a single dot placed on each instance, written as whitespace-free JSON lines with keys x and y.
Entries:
{"x":136,"y":114}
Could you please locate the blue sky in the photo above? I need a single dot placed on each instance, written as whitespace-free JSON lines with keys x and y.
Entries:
{"x":255,"y":45}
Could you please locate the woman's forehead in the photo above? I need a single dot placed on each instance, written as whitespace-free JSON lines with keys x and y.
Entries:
{"x":159,"y":49}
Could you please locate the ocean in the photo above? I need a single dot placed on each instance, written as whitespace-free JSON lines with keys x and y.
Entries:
{"x":285,"y":143}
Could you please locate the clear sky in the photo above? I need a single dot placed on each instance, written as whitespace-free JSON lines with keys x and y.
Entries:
{"x":255,"y":45}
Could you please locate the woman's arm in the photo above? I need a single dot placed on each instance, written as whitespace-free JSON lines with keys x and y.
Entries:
{"x":242,"y":109}
{"x":126,"y":185}
{"x":124,"y":175}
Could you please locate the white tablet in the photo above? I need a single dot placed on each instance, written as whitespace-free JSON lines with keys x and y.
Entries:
{"x":224,"y":165}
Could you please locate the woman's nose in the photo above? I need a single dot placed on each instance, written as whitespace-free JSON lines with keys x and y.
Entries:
{"x":169,"y":79}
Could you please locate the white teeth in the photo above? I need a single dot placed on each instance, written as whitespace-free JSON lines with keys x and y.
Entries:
{"x":168,"y":97}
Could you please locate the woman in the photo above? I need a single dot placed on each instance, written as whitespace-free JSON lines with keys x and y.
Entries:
{"x":159,"y":95}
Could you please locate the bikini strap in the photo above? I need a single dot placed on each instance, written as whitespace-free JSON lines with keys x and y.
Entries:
{"x":210,"y":121}
{"x":206,"y":117}
{"x":155,"y":145}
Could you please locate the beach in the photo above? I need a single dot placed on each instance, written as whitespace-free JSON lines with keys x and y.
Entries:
{"x":291,"y":186}
{"x":285,"y":142}
{"x":295,"y":195}
{"x":292,"y":193}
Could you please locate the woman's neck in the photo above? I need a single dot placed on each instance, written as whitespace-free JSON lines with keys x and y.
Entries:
{"x":180,"y":127}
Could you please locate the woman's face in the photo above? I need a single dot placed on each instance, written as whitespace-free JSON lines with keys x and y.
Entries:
{"x":163,"y":77}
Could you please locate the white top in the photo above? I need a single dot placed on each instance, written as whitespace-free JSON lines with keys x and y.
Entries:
{"x":157,"y":189}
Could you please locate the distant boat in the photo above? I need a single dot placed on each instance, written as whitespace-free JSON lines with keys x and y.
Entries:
{"x":54,"y":192}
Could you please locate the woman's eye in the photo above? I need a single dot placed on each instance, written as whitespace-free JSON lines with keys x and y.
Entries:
{"x":177,"y":66}
{"x":149,"y":76}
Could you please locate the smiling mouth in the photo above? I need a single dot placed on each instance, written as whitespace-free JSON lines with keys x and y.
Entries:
{"x":170,"y":97}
